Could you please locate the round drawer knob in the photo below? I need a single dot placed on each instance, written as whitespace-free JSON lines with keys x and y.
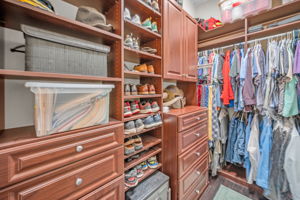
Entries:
{"x":79,"y":148}
{"x":197,"y":154}
{"x":197,"y":191}
{"x":198,"y":173}
{"x":197,"y":134}
{"x":79,"y":181}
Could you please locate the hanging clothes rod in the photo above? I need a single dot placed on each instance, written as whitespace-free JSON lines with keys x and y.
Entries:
{"x":254,"y":40}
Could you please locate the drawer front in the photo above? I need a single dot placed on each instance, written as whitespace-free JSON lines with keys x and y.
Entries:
{"x":188,"y":159}
{"x":113,"y":190}
{"x":198,"y":172}
{"x":198,"y":190}
{"x":26,"y":161}
{"x":70,"y":182}
{"x":191,"y":136}
{"x":189,"y":120}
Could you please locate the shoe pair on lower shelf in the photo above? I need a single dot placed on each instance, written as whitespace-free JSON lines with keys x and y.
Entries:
{"x":139,"y":125}
{"x":133,"y":144}
{"x":144,"y":107}
{"x":132,"y":175}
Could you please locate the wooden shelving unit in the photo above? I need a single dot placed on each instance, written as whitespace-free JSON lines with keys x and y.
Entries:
{"x":237,"y":32}
{"x":148,"y":38}
{"x":144,"y":131}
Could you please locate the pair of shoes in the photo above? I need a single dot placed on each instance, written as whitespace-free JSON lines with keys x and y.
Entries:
{"x":135,"y":19}
{"x":135,"y":107}
{"x":144,"y":68}
{"x":130,"y":89}
{"x":132,"y":144}
{"x":148,"y":24}
{"x":132,"y":42}
{"x":146,"y":89}
{"x":153,"y":4}
{"x":152,"y":162}
{"x":131,"y":179}
{"x":149,"y":107}
{"x":149,"y":50}
{"x":134,"y":126}
{"x":131,"y":108}
{"x":152,"y":121}
{"x":131,"y":158}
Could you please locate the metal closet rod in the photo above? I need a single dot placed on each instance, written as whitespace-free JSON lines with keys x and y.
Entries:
{"x":254,"y":40}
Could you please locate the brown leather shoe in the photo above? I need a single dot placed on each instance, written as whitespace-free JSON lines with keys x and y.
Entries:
{"x":126,"y":89}
{"x":150,"y":69}
{"x":151,"y":89}
{"x":143,"y":89}
{"x":140,"y":68}
{"x":133,"y":90}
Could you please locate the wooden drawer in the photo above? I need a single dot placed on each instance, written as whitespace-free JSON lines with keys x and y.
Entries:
{"x":198,"y":172}
{"x":29,"y":160}
{"x":191,"y":136}
{"x":189,"y":120}
{"x":72,"y":181}
{"x":198,"y":189}
{"x":188,"y":159}
{"x":113,"y":190}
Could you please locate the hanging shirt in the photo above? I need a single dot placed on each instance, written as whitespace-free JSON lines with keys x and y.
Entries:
{"x":290,"y":107}
{"x":292,"y":164}
{"x":248,"y":89}
{"x":227,"y":93}
{"x":296,"y":68}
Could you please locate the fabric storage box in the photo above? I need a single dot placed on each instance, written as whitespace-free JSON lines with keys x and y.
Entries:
{"x":48,"y":51}
{"x":154,"y":187}
{"x":62,"y":107}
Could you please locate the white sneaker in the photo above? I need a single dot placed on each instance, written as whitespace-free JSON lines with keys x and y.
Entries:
{"x":135,"y":43}
{"x":136,"y":19}
{"x":127,"y":14}
{"x":128,"y":41}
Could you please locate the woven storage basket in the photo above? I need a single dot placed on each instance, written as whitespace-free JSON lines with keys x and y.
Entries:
{"x":47,"y":51}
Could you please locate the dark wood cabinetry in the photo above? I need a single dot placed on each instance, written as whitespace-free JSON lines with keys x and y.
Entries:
{"x":180,"y":43}
{"x":185,"y":151}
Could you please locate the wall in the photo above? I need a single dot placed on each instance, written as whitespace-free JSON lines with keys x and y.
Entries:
{"x":189,"y":7}
{"x":207,"y":10}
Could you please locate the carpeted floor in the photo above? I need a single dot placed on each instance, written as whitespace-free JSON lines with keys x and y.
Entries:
{"x":225,"y":193}
{"x":215,"y":184}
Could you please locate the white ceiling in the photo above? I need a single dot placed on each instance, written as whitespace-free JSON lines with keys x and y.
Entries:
{"x":197,"y":2}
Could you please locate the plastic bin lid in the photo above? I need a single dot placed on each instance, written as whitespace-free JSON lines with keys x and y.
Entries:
{"x":68,"y":85}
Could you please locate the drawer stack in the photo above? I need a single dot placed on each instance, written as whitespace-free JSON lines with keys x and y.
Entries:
{"x":81,"y":164}
{"x":185,"y":151}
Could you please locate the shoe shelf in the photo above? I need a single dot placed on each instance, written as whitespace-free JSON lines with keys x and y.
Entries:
{"x":148,"y":142}
{"x":131,"y":74}
{"x":9,"y":9}
{"x":139,"y":116}
{"x":140,"y":5}
{"x":142,"y":158}
{"x":141,"y":54}
{"x":142,"y":32}
{"x":28,"y":75}
{"x":143,"y":96}
{"x":141,"y":132}
{"x":147,"y":173}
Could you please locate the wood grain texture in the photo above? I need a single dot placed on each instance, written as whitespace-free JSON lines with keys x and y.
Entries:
{"x":63,"y":183}
{"x":26,"y":161}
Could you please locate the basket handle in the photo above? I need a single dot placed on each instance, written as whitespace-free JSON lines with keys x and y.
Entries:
{"x":16,"y":49}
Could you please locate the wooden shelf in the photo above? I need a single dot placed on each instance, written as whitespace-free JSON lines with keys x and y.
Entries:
{"x":140,"y":74}
{"x":28,"y":75}
{"x":141,"y":54}
{"x":143,"y":33}
{"x":142,"y":158}
{"x":140,"y":5}
{"x":144,"y":131}
{"x":15,"y":13}
{"x":148,"y":142}
{"x":147,"y":173}
{"x":138,"y":116}
{"x":143,"y":96}
{"x":25,"y":135}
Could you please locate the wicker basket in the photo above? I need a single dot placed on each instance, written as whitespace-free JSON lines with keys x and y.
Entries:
{"x":52,"y":52}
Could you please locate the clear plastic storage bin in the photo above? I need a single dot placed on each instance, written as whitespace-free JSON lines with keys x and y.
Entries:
{"x":252,"y":7}
{"x":62,"y":107}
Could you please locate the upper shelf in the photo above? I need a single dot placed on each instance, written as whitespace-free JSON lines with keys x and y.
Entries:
{"x":14,"y":13}
{"x":140,"y":5}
